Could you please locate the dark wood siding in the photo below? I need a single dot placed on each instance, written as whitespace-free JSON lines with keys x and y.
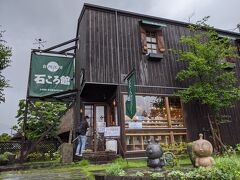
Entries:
{"x":82,"y":47}
{"x":110,"y":48}
{"x":149,"y":73}
{"x":102,"y":50}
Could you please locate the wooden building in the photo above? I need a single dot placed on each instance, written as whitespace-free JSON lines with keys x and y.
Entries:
{"x":113,"y":42}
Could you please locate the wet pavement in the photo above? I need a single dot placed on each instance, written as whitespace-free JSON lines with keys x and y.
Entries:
{"x":44,"y":175}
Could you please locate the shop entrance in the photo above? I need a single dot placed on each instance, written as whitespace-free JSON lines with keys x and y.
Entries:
{"x":101,"y":108}
{"x":97,"y":123}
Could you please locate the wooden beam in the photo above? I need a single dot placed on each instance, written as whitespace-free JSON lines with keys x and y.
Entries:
{"x":59,"y":45}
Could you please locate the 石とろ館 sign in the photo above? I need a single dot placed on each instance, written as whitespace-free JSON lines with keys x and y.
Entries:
{"x":50,"y":74}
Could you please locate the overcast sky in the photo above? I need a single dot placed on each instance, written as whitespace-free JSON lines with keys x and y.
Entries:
{"x":56,"y":21}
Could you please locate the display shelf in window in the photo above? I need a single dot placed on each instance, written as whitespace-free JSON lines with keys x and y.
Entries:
{"x":139,"y":141}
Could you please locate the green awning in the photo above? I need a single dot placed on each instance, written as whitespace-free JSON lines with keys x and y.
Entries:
{"x":153,"y":24}
{"x":155,"y":56}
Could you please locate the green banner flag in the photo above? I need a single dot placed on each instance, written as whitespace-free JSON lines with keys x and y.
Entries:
{"x":50,"y":75}
{"x":131,"y":99}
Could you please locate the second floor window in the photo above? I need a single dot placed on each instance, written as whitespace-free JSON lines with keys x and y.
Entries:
{"x":151,"y":42}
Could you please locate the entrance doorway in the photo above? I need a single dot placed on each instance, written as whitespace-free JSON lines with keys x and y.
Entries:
{"x":97,"y":123}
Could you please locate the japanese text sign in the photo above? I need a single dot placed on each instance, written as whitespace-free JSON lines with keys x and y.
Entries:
{"x":112,"y":131}
{"x":50,"y":75}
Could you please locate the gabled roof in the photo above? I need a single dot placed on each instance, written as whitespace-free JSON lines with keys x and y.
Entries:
{"x":169,"y":21}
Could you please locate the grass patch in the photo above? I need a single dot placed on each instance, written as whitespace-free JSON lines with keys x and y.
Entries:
{"x":227,"y":164}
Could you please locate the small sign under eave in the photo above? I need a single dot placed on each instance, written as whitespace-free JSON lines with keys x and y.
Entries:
{"x":112,"y":131}
{"x":153,"y":24}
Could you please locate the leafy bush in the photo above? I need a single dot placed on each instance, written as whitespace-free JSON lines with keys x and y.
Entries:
{"x":35,"y":156}
{"x":83,"y":162}
{"x":56,"y":155}
{"x":226,"y":168}
{"x":4,"y":137}
{"x":156,"y":175}
{"x":176,"y":148}
{"x":229,"y":165}
{"x":7,"y":156}
{"x":115,"y":170}
{"x":120,"y":161}
{"x":138,"y":174}
{"x":10,"y":156}
{"x":177,"y":174}
{"x":229,"y":150}
{"x":3,"y":157}
{"x":237,"y":148}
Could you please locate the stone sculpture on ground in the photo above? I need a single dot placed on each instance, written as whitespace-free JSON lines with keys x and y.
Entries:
{"x":203,"y":150}
{"x":154,"y":154}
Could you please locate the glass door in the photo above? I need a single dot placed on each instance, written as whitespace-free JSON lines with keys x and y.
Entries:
{"x":90,"y":138}
{"x":97,"y":124}
{"x":100,"y":126}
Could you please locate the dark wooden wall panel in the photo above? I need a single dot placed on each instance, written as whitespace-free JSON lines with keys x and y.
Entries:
{"x":82,"y":47}
{"x":102,"y":61}
{"x":98,"y":55}
{"x":151,"y":73}
{"x":230,"y":131}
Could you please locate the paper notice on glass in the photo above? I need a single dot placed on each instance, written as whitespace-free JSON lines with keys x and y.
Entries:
{"x":101,"y":127}
{"x":135,"y":125}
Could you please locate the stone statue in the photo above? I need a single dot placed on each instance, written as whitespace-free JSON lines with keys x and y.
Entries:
{"x":203,"y":150}
{"x":154,"y":153}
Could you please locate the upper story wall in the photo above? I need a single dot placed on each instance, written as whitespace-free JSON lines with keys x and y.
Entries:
{"x":110,"y":47}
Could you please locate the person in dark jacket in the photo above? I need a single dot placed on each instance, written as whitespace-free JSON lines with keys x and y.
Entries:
{"x":82,"y":138}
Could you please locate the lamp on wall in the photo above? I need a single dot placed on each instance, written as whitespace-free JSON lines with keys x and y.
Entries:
{"x":114,"y":102}
{"x":81,"y":110}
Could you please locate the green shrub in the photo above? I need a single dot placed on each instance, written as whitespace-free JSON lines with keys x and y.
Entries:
{"x":115,"y":170}
{"x":35,"y":156}
{"x":226,"y":168}
{"x":229,"y":150}
{"x":176,"y":148}
{"x":156,"y":175}
{"x":3,"y":157}
{"x":229,"y":165}
{"x":138,"y":174}
{"x":47,"y":156}
{"x":7,"y":156}
{"x":177,"y":174}
{"x":56,"y":156}
{"x":237,"y":148}
{"x":83,"y":162}
{"x":120,"y":161}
